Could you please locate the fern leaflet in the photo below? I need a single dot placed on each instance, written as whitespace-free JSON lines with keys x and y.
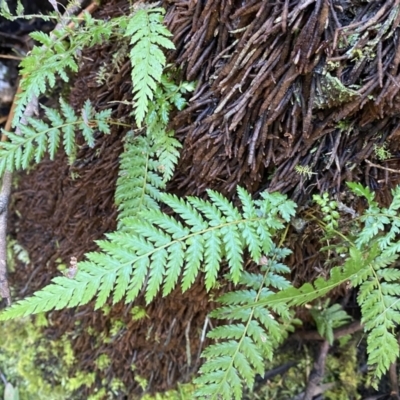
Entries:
{"x":39,"y":137}
{"x":139,"y":183}
{"x":166,"y":96}
{"x":379,"y":294}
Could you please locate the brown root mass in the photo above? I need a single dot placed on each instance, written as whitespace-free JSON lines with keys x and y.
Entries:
{"x":285,"y":84}
{"x":279,"y":84}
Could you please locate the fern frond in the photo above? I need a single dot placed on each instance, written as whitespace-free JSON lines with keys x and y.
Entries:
{"x":39,"y":71}
{"x":39,"y":137}
{"x":154,"y":247}
{"x":166,"y":96}
{"x":139,"y":183}
{"x":328,"y":318}
{"x":147,"y":34}
{"x":353,"y":269}
{"x":379,"y":292}
{"x":54,"y":57}
{"x":168,"y":152}
{"x":379,"y":298}
{"x":242,"y":346}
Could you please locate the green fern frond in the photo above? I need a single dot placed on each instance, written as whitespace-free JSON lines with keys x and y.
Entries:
{"x":379,"y":298}
{"x":379,"y":293}
{"x":39,"y":72}
{"x":155,"y":247}
{"x":147,"y":34}
{"x":54,"y":57}
{"x":139,"y":183}
{"x":166,"y":96}
{"x":353,"y":268}
{"x":241,"y":347}
{"x":328,"y":318}
{"x":39,"y":137}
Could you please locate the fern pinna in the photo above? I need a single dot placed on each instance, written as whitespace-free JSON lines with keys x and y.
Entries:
{"x":147,"y":36}
{"x":38,"y":137}
{"x":139,"y":183}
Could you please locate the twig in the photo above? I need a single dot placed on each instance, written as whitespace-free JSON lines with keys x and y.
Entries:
{"x":10,"y":57}
{"x":317,"y":372}
{"x":4,"y":199}
{"x":394,"y":381}
{"x":282,"y":369}
{"x":188,"y":352}
{"x":5,"y":190}
{"x":344,"y":330}
{"x":394,"y":384}
{"x":396,"y":171}
{"x":202,"y":339}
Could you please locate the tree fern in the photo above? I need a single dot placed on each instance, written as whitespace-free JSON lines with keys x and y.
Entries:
{"x":242,"y":346}
{"x":152,"y":255}
{"x":38,"y":137}
{"x":153,"y":252}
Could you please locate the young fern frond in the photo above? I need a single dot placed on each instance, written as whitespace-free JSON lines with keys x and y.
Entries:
{"x":242,"y":346}
{"x":147,"y":35}
{"x":159,"y":249}
{"x":328,"y":318}
{"x":39,"y":137}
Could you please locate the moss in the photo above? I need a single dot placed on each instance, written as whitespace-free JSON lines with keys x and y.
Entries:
{"x":26,"y":359}
{"x":342,"y":368}
{"x":41,"y":369}
{"x":331,"y":92}
{"x":184,"y":392}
